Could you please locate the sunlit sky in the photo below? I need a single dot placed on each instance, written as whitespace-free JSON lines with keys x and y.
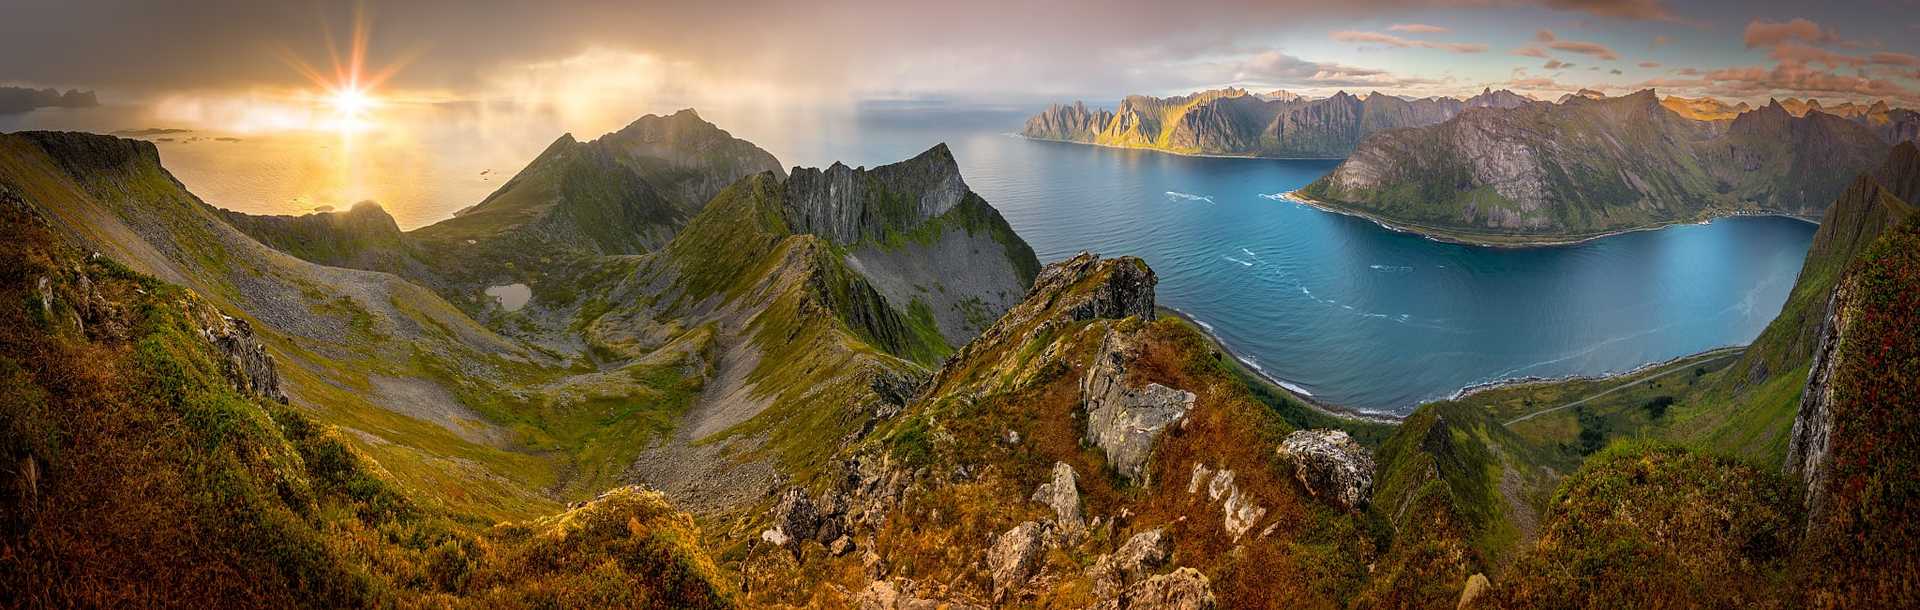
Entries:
{"x":239,"y":62}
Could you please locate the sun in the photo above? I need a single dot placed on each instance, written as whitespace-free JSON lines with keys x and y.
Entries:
{"x":351,"y":103}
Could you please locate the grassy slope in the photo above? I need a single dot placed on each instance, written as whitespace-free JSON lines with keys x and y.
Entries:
{"x":144,"y":478}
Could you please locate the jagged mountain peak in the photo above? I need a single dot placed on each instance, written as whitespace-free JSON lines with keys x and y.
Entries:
{"x":846,"y":205}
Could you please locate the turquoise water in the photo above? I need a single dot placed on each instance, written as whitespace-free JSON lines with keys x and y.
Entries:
{"x":1339,"y":307}
{"x":1352,"y":313}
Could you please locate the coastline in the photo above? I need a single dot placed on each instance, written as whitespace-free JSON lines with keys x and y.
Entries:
{"x":1284,"y":386}
{"x":1464,"y":392}
{"x":1446,"y":236}
{"x":1175,"y":152}
{"x":1515,"y":382}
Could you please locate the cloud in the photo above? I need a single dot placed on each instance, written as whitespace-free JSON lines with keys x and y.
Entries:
{"x":1660,"y":41}
{"x":1649,"y":64}
{"x":1572,"y":46}
{"x":1417,"y":28}
{"x":1615,"y":71}
{"x":1769,"y":33}
{"x":1645,"y":10}
{"x":1895,"y":59}
{"x":1555,"y":64}
{"x":1793,"y":52}
{"x":1403,"y":43}
{"x":1276,"y":68}
{"x":1530,"y":52}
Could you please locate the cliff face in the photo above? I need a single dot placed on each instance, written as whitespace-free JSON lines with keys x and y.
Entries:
{"x":1587,"y":165}
{"x":1236,"y":123}
{"x":846,"y":205}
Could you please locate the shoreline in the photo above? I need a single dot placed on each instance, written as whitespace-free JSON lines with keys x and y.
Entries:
{"x":1175,"y":152}
{"x":1447,"y":237}
{"x":1464,"y":392}
{"x":1287,"y":387}
{"x":1515,"y":382}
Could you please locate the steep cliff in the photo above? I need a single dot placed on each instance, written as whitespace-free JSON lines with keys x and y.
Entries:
{"x":1587,"y":166}
{"x":1234,"y":122}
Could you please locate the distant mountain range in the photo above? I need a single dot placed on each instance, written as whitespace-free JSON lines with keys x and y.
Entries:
{"x":22,"y":99}
{"x":1591,"y":164}
{"x":1234,"y":122}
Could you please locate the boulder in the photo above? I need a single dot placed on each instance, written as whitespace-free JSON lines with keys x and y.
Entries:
{"x":1015,"y":557}
{"x":1331,"y":465}
{"x":1124,"y":422}
{"x":1134,"y":559}
{"x":1062,"y":494}
{"x":1182,"y":589}
{"x":247,"y":364}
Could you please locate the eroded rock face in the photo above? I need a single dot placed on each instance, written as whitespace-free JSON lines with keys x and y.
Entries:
{"x":1062,"y":494}
{"x":845,"y":205}
{"x":867,"y":488}
{"x":1182,"y":589}
{"x":247,"y":363}
{"x":1015,"y":557}
{"x":1331,"y":465}
{"x":1124,"y":421}
{"x":1809,"y":443}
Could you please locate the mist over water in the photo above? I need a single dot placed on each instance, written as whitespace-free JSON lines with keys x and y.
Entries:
{"x":1335,"y":306}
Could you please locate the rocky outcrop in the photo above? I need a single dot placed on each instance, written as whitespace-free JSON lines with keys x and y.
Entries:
{"x":246,"y":364}
{"x":1016,"y":556}
{"x":1062,"y":494}
{"x":1123,"y":421}
{"x":903,"y":594}
{"x":1135,"y":559}
{"x":1182,"y":589}
{"x":858,"y":500}
{"x":1122,"y":287}
{"x":1331,"y":466}
{"x":1068,"y":123}
{"x":1810,"y":442}
{"x":1239,"y":512}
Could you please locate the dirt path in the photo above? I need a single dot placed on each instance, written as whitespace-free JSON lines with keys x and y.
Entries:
{"x":1680,"y":367}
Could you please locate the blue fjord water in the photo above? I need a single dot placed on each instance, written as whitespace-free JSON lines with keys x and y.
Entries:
{"x":1358,"y":315}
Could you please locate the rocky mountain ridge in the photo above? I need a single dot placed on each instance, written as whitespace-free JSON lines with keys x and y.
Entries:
{"x":1233,"y":122}
{"x":1590,"y":166}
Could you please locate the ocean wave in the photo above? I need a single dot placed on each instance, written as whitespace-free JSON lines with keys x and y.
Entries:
{"x":1275,"y":196}
{"x":1390,"y":268}
{"x":1237,"y":260}
{"x":1249,"y":253}
{"x":1179,"y":196}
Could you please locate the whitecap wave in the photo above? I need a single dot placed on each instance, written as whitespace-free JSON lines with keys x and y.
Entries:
{"x":1179,"y":196}
{"x":1390,"y":268}
{"x":1275,"y":196}
{"x":1296,"y":389}
{"x":1237,"y":260}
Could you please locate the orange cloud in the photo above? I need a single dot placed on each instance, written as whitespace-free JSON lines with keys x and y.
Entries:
{"x":1418,"y":28}
{"x":1572,"y":46}
{"x":1769,"y":33}
{"x":1398,"y":42}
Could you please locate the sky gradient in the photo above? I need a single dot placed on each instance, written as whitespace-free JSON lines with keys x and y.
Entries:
{"x":576,"y":56}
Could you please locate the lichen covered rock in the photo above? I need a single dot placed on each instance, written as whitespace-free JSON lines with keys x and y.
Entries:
{"x":1331,"y":465}
{"x":1124,"y":422}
